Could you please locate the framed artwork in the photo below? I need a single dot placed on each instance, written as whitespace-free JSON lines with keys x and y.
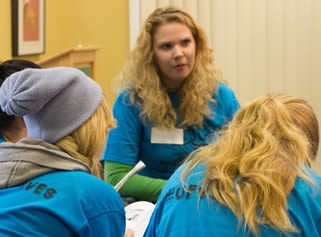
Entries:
{"x":28,"y":27}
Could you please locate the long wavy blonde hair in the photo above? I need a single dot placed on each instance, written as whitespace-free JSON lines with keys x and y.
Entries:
{"x":253,"y":167}
{"x":141,"y":75}
{"x":85,"y":142}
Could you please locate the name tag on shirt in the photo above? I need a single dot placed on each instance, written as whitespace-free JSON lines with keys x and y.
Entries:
{"x":167,"y":136}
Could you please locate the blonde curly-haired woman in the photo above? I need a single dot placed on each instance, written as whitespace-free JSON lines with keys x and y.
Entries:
{"x":173,"y":101}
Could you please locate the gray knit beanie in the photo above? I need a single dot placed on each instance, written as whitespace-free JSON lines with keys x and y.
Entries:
{"x":53,"y":102}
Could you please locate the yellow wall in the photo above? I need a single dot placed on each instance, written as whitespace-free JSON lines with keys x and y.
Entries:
{"x":69,"y":23}
{"x":5,"y":30}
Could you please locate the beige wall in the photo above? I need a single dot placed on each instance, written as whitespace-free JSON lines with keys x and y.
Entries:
{"x":73,"y":22}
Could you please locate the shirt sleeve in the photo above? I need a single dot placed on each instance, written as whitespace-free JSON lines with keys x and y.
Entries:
{"x":225,"y":96}
{"x":234,"y":106}
{"x":124,"y":141}
{"x":138,"y":186}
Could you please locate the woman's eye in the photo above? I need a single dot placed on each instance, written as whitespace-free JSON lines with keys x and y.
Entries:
{"x":186,"y":42}
{"x":165,"y":46}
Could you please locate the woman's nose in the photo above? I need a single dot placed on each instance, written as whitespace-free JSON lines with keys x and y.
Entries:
{"x":178,"y":52}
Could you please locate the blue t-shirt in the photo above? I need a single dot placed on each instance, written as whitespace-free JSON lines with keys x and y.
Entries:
{"x":2,"y":139}
{"x":180,"y":213}
{"x":130,"y":141}
{"x":62,"y":203}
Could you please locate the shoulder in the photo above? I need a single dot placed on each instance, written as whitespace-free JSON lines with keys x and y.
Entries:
{"x":123,"y":97}
{"x":226,"y":102}
{"x":313,"y":175}
{"x":80,"y":187}
{"x":97,"y":196}
{"x":88,"y":181}
{"x":222,"y":91}
{"x":88,"y":187}
{"x":305,"y":190}
{"x":124,"y":107}
{"x":123,"y":101}
{"x":196,"y":171}
{"x":305,"y":201}
{"x":193,"y":177}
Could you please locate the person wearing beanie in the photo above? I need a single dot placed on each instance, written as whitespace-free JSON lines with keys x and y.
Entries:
{"x":47,"y":180}
{"x":12,"y":128}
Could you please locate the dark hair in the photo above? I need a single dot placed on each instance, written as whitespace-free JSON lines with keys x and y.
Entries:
{"x":6,"y":69}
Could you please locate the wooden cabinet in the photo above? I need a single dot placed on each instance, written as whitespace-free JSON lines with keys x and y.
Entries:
{"x":83,"y":58}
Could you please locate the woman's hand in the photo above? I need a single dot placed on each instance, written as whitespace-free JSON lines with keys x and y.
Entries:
{"x":129,"y":233}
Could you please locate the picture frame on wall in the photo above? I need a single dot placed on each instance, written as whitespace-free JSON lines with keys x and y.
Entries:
{"x":28,"y":27}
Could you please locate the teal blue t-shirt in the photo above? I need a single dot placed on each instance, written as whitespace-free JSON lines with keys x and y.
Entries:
{"x":62,"y":203}
{"x":2,"y":139}
{"x":181,"y":213}
{"x":130,"y":141}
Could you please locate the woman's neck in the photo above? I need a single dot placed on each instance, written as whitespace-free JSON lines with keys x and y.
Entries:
{"x":16,"y":131}
{"x":14,"y":136}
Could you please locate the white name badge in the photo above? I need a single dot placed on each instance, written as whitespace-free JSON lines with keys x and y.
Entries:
{"x":167,"y":136}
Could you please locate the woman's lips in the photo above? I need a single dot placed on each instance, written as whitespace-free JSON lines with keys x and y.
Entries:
{"x":180,"y":66}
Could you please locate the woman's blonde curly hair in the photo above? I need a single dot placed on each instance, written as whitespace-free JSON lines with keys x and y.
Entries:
{"x":253,"y":167}
{"x":85,"y":142}
{"x":142,"y":79}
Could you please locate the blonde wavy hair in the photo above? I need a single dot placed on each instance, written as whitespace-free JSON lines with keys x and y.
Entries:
{"x":84,"y":143}
{"x":142,"y":78}
{"x":253,"y":167}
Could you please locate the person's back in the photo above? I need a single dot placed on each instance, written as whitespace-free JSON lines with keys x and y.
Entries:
{"x":47,"y":180}
{"x":254,"y":181}
{"x":60,"y":203}
{"x":182,"y":213}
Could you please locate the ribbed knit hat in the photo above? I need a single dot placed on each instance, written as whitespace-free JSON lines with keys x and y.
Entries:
{"x":53,"y":102}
